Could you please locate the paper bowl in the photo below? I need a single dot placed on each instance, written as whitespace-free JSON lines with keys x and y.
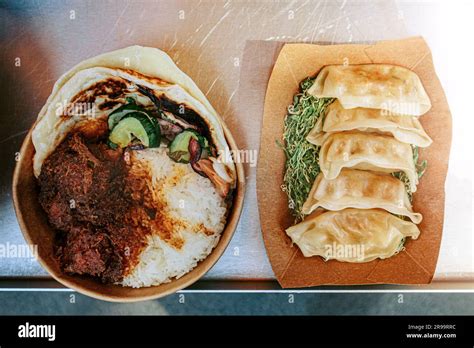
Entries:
{"x":37,"y":232}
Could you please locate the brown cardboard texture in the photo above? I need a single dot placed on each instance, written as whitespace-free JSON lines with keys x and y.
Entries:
{"x":414,"y":265}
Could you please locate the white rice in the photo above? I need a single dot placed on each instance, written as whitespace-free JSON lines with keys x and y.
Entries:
{"x":190,"y":198}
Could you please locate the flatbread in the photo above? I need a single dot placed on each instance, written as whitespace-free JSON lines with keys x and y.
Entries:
{"x":150,"y":67}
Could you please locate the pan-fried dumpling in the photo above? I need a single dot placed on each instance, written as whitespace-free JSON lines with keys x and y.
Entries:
{"x":360,"y":189}
{"x":405,"y":128}
{"x":376,"y":86}
{"x":352,"y":235}
{"x":366,"y":151}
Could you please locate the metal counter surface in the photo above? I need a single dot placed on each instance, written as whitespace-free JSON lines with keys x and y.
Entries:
{"x":41,"y":40}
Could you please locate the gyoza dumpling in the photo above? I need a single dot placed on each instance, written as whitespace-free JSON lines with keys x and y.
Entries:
{"x":405,"y":128}
{"x":366,"y":151}
{"x":378,"y":86}
{"x":352,"y":235}
{"x":360,"y":189}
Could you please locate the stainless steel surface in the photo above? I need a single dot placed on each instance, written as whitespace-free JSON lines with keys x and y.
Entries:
{"x":206,"y":39}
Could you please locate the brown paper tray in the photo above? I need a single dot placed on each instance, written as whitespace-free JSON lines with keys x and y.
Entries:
{"x":417,"y":263}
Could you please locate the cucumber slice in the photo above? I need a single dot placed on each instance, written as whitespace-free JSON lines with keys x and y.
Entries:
{"x":121,"y":112}
{"x":147,"y":122}
{"x":151,"y":126}
{"x":202,"y":141}
{"x":179,"y":147}
{"x":125,"y":129}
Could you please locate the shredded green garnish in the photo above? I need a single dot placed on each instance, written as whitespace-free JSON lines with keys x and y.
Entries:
{"x":420,"y":170}
{"x":302,"y":164}
{"x":401,"y":245}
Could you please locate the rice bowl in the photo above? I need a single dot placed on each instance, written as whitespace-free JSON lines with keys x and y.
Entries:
{"x":190,"y":199}
{"x":139,"y":202}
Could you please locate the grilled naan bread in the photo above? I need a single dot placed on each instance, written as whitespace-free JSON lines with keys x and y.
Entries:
{"x":97,"y":86}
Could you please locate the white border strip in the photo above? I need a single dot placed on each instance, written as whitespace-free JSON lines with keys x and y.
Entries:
{"x":282,"y":291}
{"x":286,"y":291}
